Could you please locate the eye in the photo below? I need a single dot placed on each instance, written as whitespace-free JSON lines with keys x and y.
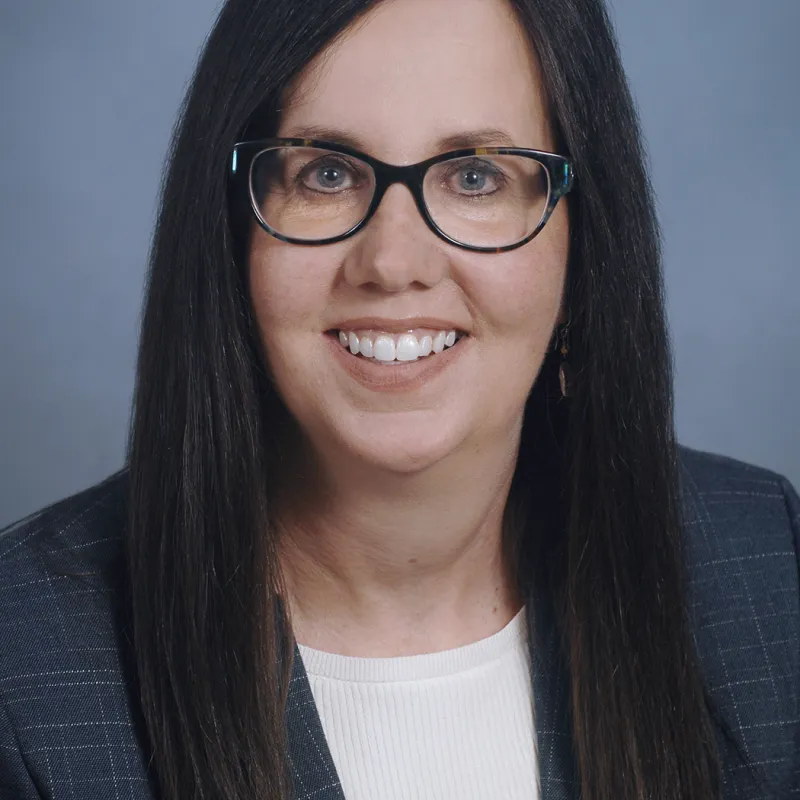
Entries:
{"x":475,"y":177}
{"x":330,"y":175}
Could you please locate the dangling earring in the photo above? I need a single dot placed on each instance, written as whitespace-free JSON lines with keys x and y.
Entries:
{"x":565,"y":374}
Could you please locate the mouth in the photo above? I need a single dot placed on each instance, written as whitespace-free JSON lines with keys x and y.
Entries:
{"x":394,"y":349}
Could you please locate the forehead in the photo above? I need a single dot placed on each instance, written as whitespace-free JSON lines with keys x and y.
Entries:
{"x":414,"y":72}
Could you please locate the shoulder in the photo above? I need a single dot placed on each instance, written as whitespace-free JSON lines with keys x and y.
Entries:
{"x":724,"y":476}
{"x":68,"y":718}
{"x":741,"y":544}
{"x":65,"y":558}
{"x":92,"y":521}
{"x":741,"y":526}
{"x":737,"y":509}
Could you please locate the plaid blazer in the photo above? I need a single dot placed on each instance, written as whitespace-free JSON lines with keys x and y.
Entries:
{"x":70,"y":726}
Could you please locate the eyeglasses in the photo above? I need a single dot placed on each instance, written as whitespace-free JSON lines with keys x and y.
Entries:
{"x":486,"y":199}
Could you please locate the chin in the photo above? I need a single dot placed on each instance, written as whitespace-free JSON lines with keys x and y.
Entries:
{"x":404,"y":446}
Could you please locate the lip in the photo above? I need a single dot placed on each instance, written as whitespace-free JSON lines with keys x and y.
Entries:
{"x":403,"y":377}
{"x":397,"y":325}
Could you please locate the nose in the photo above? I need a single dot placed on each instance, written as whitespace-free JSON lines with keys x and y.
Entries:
{"x":395,"y":249}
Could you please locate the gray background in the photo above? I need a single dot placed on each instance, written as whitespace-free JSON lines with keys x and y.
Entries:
{"x":89,"y":93}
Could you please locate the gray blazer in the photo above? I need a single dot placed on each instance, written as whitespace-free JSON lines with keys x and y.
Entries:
{"x":70,"y":726}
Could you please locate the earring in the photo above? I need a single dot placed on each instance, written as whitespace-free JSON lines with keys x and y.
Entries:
{"x":565,"y":374}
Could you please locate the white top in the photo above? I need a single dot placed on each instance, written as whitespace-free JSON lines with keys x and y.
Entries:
{"x":455,"y":725}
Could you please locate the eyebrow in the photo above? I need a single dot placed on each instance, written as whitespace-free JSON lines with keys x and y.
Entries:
{"x":484,"y":137}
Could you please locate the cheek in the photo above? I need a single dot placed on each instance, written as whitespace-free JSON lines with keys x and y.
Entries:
{"x":289,"y":289}
{"x":519,"y":294}
{"x":289,"y":286}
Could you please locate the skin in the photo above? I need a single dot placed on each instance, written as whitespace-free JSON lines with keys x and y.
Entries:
{"x":390,"y":514}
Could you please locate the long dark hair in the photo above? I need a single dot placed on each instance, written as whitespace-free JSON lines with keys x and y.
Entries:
{"x":203,"y":570}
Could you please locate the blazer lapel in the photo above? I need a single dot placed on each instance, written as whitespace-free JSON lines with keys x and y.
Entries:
{"x":551,"y":698}
{"x":313,"y":771}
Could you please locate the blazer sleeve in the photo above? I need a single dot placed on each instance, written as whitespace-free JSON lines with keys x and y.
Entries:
{"x":15,"y":779}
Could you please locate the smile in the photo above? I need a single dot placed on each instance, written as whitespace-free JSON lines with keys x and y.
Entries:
{"x":390,"y":348}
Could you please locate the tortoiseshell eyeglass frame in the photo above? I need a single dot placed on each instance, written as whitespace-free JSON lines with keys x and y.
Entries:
{"x":559,"y":172}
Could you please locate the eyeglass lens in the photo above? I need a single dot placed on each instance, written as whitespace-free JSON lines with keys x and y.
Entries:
{"x":311,"y":194}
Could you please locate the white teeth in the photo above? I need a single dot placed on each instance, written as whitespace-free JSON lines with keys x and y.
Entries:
{"x":384,"y":349}
{"x":403,"y":347}
{"x":365,"y":347}
{"x":407,"y":348}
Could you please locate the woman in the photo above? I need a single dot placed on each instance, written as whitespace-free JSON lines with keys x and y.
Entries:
{"x":404,"y":514}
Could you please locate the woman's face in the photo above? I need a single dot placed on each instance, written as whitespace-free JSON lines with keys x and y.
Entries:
{"x":414,"y":78}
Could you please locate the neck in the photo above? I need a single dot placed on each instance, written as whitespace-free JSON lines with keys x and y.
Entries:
{"x":381,"y":565}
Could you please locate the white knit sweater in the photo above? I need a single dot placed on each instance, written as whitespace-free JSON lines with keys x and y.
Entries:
{"x":455,"y":725}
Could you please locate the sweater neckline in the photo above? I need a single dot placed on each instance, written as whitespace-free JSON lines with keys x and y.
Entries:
{"x":426,"y":666}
